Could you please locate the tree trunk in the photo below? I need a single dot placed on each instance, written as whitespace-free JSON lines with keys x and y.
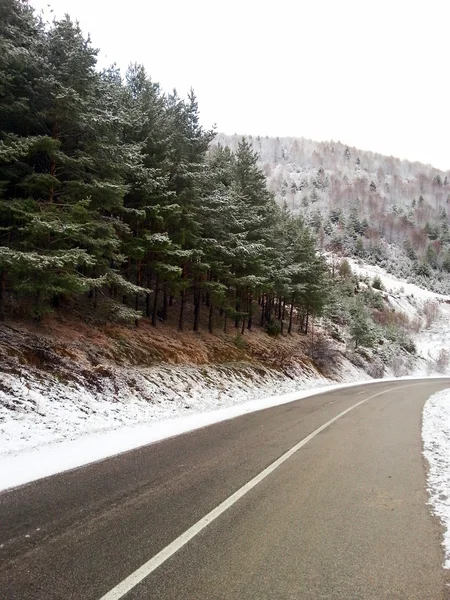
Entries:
{"x":238,"y":308}
{"x":263,"y":309}
{"x":197,"y":302}
{"x":2,"y":294}
{"x":283,"y":310}
{"x":155,"y":304}
{"x":291,"y":312}
{"x":306,"y":323}
{"x":225,"y":323}
{"x":269,"y":303}
{"x":181,"y":316}
{"x":136,"y":308}
{"x":165,"y":304}
{"x":243,"y":326}
{"x":250,"y":312}
{"x":37,"y":304}
{"x":136,"y":300}
{"x":147,"y":305}
{"x":210,"y":317}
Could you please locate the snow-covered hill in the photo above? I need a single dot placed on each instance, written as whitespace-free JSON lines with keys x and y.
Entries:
{"x":337,"y":174}
{"x":388,"y":212}
{"x":428,"y":315}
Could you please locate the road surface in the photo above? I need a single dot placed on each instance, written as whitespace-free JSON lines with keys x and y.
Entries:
{"x":343,"y":517}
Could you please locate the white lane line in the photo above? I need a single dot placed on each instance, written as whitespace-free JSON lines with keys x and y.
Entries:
{"x":137,"y":576}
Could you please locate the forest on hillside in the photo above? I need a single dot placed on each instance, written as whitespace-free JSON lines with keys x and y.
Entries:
{"x":111,"y":201}
{"x":383,"y":210}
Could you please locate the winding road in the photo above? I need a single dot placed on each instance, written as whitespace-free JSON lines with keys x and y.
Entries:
{"x":323,"y":498}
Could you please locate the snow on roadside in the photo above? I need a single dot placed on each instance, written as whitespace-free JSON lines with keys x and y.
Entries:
{"x":436,"y":449}
{"x":24,"y":467}
{"x":36,"y":411}
{"x":136,"y":422}
{"x":48,"y":424}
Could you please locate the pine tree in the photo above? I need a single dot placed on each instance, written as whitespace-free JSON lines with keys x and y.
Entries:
{"x":108,"y":188}
{"x":68,"y":191}
{"x":361,"y":329}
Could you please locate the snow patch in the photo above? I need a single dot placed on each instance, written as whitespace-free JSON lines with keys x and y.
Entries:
{"x":36,"y":411}
{"x":436,"y":449}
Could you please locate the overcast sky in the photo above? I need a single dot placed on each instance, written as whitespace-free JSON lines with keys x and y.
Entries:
{"x":371,"y":74}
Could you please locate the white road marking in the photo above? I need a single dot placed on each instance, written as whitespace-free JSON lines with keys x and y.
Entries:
{"x":144,"y":571}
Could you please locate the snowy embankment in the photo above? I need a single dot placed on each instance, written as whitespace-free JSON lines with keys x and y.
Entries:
{"x":17,"y":468}
{"x":436,"y":449}
{"x":48,"y":425}
{"x":24,"y":467}
{"x":36,"y":411}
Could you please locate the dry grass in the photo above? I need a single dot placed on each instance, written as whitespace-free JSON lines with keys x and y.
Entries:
{"x":59,"y":343}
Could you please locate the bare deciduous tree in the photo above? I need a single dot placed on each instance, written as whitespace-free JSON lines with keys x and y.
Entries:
{"x":431,"y":312}
{"x":442,"y":361}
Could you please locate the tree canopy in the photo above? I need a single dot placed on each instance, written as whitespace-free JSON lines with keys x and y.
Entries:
{"x":109,"y":190}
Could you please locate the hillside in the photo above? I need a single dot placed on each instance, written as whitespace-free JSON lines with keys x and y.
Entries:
{"x":68,"y":379}
{"x":389,"y":212}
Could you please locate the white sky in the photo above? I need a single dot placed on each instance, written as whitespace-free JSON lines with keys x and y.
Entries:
{"x":374,"y":75}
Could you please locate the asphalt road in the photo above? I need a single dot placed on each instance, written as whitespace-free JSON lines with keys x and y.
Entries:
{"x":343,"y":518}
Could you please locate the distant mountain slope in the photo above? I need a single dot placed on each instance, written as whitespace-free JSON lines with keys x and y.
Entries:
{"x":390,"y":212}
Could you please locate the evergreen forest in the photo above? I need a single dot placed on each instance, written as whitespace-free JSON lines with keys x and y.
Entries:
{"x":113,"y":202}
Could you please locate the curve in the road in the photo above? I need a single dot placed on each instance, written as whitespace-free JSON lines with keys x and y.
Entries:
{"x":147,"y":568}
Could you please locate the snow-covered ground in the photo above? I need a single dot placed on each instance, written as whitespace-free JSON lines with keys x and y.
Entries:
{"x":23,"y":467}
{"x":436,"y":449}
{"x":36,"y":411}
